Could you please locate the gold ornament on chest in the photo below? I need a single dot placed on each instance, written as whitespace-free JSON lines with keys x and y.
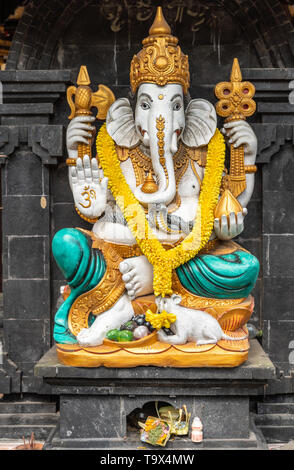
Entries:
{"x":143,"y":169}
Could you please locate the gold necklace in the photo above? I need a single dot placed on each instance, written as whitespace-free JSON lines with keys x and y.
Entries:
{"x":142,"y":165}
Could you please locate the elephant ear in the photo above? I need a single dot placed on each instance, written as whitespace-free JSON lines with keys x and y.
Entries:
{"x":120,"y":124}
{"x":201,"y":123}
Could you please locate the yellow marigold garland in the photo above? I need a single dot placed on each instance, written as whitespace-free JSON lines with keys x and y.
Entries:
{"x":164,"y":261}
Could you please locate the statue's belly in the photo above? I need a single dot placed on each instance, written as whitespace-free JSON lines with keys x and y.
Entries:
{"x":188,"y":208}
{"x":121,"y":234}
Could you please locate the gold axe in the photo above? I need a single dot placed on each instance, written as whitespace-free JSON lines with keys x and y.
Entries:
{"x":85,"y":99}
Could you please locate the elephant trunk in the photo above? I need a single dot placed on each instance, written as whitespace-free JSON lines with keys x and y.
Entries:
{"x":163,"y":142}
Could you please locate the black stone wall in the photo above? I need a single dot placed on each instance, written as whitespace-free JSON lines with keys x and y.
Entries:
{"x":52,"y":41}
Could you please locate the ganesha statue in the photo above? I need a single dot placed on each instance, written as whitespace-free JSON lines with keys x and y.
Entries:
{"x":160,"y":262}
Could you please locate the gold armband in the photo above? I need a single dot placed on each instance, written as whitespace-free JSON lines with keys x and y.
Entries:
{"x":87,"y":219}
{"x":250,"y":168}
{"x":71,"y":162}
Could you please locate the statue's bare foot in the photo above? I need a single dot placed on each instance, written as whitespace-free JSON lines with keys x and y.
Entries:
{"x":120,"y":313}
{"x":137,"y":276}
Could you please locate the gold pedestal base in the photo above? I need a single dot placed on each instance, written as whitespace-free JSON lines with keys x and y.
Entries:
{"x":151,"y":352}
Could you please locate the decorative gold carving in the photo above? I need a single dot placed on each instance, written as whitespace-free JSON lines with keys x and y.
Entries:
{"x":142,"y":165}
{"x":71,"y":162}
{"x":123,"y":251}
{"x":250,"y":168}
{"x":198,"y":154}
{"x":160,"y":126}
{"x":193,"y":301}
{"x":149,"y":187}
{"x":227,"y":204}
{"x":88,"y":194}
{"x":87,"y":219}
{"x":103,"y":296}
{"x":161,"y":60}
{"x":236,"y":103}
{"x":196,"y":174}
{"x":85,"y":99}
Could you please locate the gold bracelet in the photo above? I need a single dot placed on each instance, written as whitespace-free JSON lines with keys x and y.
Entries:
{"x":87,"y":219}
{"x":250,"y":168}
{"x":71,"y":162}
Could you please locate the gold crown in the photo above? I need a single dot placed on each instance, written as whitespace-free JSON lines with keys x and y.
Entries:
{"x":161,"y":60}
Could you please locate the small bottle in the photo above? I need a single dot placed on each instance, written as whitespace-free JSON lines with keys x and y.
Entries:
{"x":253,"y":331}
{"x":197,"y":430}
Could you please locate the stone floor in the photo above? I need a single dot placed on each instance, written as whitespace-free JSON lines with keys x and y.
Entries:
{"x":282,"y":446}
{"x":11,"y":444}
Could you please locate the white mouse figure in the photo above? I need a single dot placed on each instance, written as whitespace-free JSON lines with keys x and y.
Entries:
{"x":191,"y":325}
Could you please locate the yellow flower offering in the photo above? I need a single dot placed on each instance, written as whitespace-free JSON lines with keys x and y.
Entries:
{"x":160,"y":320}
{"x":165,"y":261}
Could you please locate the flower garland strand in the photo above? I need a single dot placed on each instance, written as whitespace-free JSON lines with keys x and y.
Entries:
{"x":164,"y":261}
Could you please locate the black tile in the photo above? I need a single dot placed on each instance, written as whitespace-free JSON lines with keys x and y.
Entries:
{"x":24,"y":174}
{"x":279,"y":256}
{"x":278,"y":174}
{"x":279,"y":339}
{"x":25,"y":340}
{"x":278,"y":299}
{"x":27,"y":257}
{"x":278,"y":214}
{"x":26,"y":299}
{"x":25,"y":216}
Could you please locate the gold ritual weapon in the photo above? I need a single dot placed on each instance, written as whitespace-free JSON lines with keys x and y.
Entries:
{"x":85,"y":99}
{"x":236,"y":103}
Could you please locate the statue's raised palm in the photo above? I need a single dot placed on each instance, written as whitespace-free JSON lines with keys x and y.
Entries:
{"x":89,"y":187}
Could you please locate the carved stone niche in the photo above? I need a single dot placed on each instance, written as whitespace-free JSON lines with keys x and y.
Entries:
{"x":95,"y":403}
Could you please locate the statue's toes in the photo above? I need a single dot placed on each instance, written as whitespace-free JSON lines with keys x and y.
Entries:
{"x":124,"y":267}
{"x":127,"y":278}
{"x":83,"y":334}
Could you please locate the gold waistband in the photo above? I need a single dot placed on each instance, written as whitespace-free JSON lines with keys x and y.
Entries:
{"x":126,"y":251}
{"x":215,"y":246}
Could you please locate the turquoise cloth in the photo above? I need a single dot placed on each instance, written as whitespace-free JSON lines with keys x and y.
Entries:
{"x":230,"y":276}
{"x":82,"y":267}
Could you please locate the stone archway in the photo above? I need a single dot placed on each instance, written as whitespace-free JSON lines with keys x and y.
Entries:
{"x":266,"y":25}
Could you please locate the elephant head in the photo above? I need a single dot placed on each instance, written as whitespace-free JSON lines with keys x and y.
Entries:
{"x":159,"y":123}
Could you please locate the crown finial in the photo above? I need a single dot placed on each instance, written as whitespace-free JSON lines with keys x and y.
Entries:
{"x":159,"y":26}
{"x":161,"y":60}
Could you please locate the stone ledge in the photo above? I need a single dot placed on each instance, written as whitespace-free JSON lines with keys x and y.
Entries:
{"x":258,"y":367}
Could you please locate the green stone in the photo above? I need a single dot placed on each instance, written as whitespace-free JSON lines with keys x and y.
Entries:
{"x":125,"y":335}
{"x":113,"y":335}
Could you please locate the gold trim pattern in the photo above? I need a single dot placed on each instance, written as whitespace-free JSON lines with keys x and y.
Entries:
{"x":160,"y":126}
{"x":71,"y":162}
{"x":195,"y":302}
{"x":103,"y":296}
{"x":142,"y":165}
{"x":250,"y":168}
{"x":87,"y":219}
